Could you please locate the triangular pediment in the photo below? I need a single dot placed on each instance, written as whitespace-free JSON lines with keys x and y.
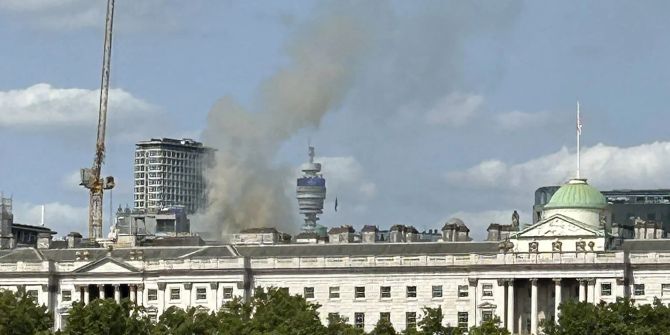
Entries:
{"x":107,"y":265}
{"x":558,"y":226}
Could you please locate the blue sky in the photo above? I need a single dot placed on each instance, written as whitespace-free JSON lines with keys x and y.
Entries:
{"x":443,"y":108}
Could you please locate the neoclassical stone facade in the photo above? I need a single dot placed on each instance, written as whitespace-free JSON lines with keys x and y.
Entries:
{"x":567,"y":254}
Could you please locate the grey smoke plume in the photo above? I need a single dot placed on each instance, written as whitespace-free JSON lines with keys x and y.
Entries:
{"x":246,"y":189}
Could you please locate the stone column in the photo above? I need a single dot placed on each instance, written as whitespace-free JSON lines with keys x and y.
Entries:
{"x":510,"y":305}
{"x":133,"y":293}
{"x":472,"y":293}
{"x":86,"y":296}
{"x":533,"y":306}
{"x":557,"y":297}
{"x":592,"y":290}
{"x":582,"y":289}
{"x":187,"y":288}
{"x":214,"y":286}
{"x":140,"y":294}
{"x":117,"y":293}
{"x":161,"y":298}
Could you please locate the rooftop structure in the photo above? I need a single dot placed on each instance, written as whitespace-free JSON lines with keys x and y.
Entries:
{"x":169,"y":173}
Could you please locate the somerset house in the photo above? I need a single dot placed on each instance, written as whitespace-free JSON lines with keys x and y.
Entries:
{"x":519,"y":274}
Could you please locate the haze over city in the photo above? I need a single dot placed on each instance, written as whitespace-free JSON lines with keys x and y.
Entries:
{"x":435,"y":110}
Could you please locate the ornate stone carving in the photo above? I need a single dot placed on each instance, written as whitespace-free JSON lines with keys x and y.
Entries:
{"x":161,"y":286}
{"x":533,"y":246}
{"x":591,"y":245}
{"x":214,"y":285}
{"x":557,"y":246}
{"x":580,"y":245}
{"x":188,"y":286}
{"x":505,"y":246}
{"x":472,"y":281}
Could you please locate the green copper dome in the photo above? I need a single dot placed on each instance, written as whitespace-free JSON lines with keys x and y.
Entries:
{"x":577,"y":194}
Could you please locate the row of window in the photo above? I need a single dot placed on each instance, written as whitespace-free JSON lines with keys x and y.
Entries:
{"x":152,"y":294}
{"x":410,"y":318}
{"x":410,"y":291}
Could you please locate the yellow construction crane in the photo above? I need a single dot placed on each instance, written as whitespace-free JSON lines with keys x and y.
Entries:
{"x":90,"y":177}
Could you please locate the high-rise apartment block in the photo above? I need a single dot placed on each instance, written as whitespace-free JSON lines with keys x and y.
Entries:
{"x":169,"y":173}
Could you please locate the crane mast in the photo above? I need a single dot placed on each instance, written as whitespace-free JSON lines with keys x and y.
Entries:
{"x":90,"y":177}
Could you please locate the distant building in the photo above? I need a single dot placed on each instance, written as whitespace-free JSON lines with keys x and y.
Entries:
{"x":164,"y":222}
{"x":169,"y":173}
{"x":14,"y":234}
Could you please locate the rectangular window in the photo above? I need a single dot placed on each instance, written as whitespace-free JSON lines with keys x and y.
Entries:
{"x":334,"y":292}
{"x":359,"y":292}
{"x":638,"y":289}
{"x":359,"y":320}
{"x":152,"y":295}
{"x":487,"y":315}
{"x":66,"y":295}
{"x":385,"y":292}
{"x":463,"y":320}
{"x":487,"y":290}
{"x":200,"y":293}
{"x":175,"y":294}
{"x":665,"y":290}
{"x":309,"y":293}
{"x":605,"y":289}
{"x":437,"y":291}
{"x":227,"y":293}
{"x":462,"y":291}
{"x":411,"y":291}
{"x":385,"y":316}
{"x":410,"y":319}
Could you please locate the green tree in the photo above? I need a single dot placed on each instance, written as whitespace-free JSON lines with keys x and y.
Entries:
{"x":431,"y":323}
{"x":620,"y":317}
{"x":20,"y":314}
{"x":383,"y":327}
{"x":105,"y":316}
{"x":338,"y":325}
{"x":489,"y":327}
{"x":176,"y":321}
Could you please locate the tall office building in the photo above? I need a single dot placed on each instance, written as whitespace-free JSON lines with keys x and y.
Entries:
{"x":169,"y":173}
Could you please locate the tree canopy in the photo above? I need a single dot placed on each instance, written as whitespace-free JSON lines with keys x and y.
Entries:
{"x":620,"y":317}
{"x":21,"y":315}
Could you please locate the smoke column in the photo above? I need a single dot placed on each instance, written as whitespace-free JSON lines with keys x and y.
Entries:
{"x":246,"y":189}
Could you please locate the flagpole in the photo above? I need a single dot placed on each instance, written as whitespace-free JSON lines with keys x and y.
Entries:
{"x":579,"y":135}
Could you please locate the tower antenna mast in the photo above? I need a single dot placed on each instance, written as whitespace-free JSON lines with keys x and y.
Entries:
{"x":579,"y":135}
{"x":90,"y":177}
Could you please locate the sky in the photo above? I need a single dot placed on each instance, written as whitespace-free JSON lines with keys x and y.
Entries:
{"x":420,"y":111}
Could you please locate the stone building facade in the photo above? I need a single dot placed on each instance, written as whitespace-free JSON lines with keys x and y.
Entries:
{"x":567,"y":254}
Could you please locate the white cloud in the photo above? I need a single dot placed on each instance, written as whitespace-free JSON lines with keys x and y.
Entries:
{"x":607,"y":167}
{"x":346,"y":180}
{"x":455,"y":109}
{"x":478,"y":222}
{"x":521,"y":120}
{"x":60,"y":217}
{"x":43,"y":107}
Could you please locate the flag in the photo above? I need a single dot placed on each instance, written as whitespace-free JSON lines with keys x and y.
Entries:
{"x":579,"y":121}
{"x":336,"y":204}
